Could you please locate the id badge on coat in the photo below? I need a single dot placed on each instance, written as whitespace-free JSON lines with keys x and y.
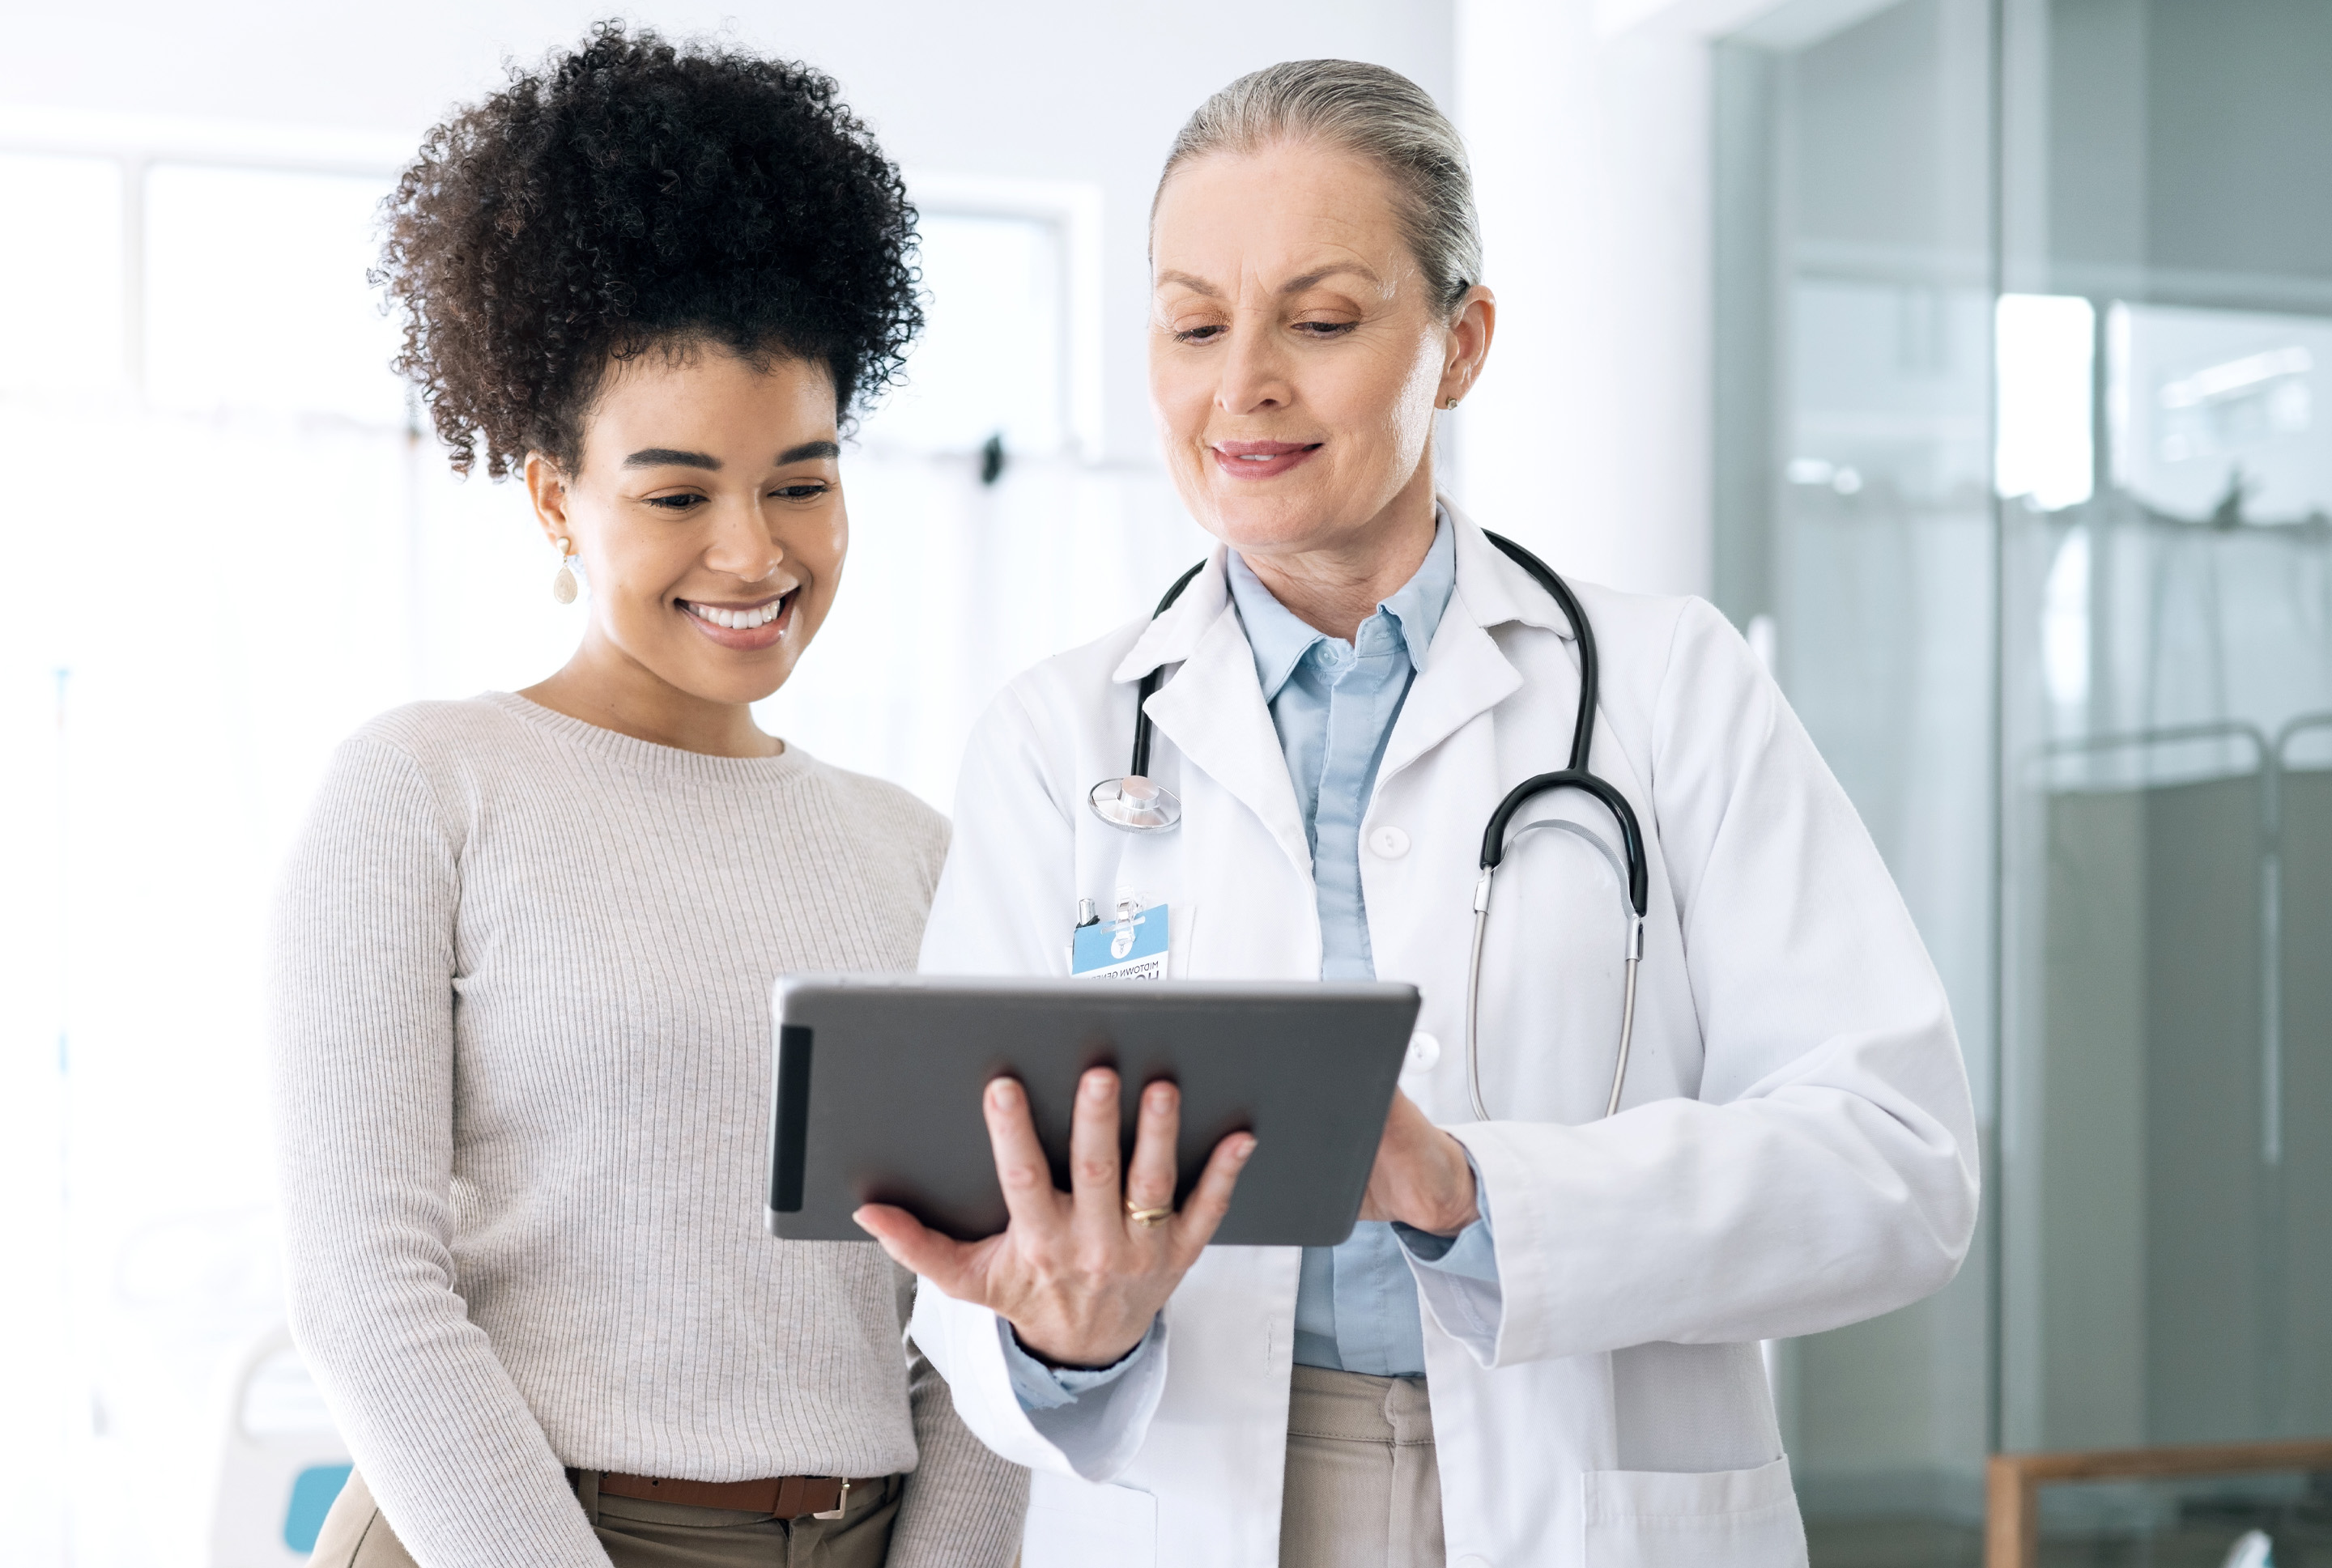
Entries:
{"x":1130,"y":947}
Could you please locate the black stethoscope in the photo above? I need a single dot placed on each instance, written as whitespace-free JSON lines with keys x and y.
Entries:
{"x":1139,"y":804}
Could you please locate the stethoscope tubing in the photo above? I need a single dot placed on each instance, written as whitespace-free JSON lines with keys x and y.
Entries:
{"x":1576,"y":776}
{"x":1635,"y":958}
{"x":1152,"y":680}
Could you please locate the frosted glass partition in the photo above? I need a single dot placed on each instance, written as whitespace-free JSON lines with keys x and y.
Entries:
{"x":2166,"y":670}
{"x":2025,"y":326}
{"x":1855,"y":321}
{"x":2302,"y":1394}
{"x":2159,"y":1318}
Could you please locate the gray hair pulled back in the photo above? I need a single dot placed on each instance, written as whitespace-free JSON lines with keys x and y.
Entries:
{"x":1371,"y":111}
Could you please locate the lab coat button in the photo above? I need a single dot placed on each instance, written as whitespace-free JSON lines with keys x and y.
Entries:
{"x":1389,"y":841}
{"x":1424,"y":1050}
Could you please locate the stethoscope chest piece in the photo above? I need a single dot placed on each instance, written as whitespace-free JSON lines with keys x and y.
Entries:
{"x":1137,"y":805}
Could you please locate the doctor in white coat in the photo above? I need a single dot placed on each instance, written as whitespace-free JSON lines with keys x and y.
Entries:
{"x":1540,"y":1346}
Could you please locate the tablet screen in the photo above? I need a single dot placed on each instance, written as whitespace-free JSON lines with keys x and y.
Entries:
{"x":878,"y":1083}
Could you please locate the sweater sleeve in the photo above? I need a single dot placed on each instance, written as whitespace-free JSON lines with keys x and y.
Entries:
{"x":362,"y":1004}
{"x":964,"y":1504}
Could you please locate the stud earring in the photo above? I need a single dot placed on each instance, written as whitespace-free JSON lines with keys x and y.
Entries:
{"x":1450,"y":405}
{"x":562,"y":585}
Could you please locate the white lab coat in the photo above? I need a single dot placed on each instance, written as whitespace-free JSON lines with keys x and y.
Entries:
{"x":1796,"y":1149}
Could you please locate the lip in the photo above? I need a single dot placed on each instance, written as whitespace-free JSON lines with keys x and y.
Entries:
{"x":748,"y":640}
{"x":1260,"y":459}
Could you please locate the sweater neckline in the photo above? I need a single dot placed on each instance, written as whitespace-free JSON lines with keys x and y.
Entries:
{"x":647,"y":755}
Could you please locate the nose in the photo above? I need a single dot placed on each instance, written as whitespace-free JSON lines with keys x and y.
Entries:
{"x":743,"y":546}
{"x":1253,"y":372}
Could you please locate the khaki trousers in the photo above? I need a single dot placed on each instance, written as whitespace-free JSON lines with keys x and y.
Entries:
{"x":645,"y":1534}
{"x":1363,"y":1485}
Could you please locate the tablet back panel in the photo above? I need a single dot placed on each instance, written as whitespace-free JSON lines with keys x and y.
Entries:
{"x":878,"y":1084}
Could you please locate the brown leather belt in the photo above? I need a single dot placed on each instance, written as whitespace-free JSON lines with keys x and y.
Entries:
{"x":785,"y":1496}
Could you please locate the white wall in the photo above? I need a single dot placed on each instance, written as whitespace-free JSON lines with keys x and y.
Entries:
{"x":1589,"y":439}
{"x":1588,"y":127}
{"x":1035,"y":89}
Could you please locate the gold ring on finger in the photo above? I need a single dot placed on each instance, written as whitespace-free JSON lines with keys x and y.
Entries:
{"x":1146,"y":1218}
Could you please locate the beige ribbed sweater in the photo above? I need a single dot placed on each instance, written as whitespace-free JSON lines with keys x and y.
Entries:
{"x":521,"y":1045}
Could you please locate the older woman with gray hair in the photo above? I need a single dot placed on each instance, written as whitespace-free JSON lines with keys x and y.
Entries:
{"x":1706,"y":1088}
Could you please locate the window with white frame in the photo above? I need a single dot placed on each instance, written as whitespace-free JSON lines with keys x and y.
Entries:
{"x":1011,"y":352}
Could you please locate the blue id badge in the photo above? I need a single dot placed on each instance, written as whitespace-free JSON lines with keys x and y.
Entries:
{"x":1131,"y":948}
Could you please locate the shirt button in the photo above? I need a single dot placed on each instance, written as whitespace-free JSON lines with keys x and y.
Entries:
{"x":1389,"y":841}
{"x":1424,"y":1051}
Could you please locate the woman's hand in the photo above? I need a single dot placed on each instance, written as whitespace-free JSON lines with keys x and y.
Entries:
{"x":1079,"y":1278}
{"x":1421,"y":1177}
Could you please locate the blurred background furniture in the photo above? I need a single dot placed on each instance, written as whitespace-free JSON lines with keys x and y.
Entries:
{"x":2013,"y":1482}
{"x":280,"y":1464}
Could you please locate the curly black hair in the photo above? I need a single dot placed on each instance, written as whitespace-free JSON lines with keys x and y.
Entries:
{"x":632,"y":194}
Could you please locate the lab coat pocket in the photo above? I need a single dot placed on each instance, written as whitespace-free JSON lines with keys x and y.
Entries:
{"x":1665,"y":1519}
{"x":1074,"y":1523}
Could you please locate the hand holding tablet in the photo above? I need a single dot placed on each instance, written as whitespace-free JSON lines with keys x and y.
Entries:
{"x":1081,"y":1274}
{"x":1063,"y":1151}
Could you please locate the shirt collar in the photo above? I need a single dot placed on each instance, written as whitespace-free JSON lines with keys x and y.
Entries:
{"x":1279,"y":641}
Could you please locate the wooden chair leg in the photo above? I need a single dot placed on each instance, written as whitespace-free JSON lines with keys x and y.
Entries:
{"x":2011,"y":1528}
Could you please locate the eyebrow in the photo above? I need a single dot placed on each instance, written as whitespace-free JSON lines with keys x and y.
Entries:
{"x":668,"y":457}
{"x":1293,"y":286}
{"x":671,"y":457}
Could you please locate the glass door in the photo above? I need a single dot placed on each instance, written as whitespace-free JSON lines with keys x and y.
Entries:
{"x":2165,"y":475}
{"x":1854,"y":544}
{"x":2023,"y":375}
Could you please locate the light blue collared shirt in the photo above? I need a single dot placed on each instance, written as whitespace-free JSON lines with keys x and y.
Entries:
{"x":1333,"y":704}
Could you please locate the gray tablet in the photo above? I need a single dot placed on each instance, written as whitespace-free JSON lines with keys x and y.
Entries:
{"x":879,"y":1079}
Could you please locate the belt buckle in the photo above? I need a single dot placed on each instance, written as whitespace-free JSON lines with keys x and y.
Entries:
{"x":842,"y":1505}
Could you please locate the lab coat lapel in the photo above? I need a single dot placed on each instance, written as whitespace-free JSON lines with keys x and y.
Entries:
{"x":1465,"y":676}
{"x":1466,"y":673}
{"x":1214,"y":713}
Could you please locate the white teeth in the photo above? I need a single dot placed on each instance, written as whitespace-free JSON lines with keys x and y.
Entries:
{"x":739,"y":620}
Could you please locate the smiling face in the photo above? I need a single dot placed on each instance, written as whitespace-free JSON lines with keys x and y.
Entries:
{"x":707,"y":511}
{"x":1295,"y":360}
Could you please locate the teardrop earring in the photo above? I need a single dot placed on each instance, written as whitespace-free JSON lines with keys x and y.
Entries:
{"x":562,"y":585}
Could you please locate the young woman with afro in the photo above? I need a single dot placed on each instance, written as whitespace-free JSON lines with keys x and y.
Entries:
{"x":526,"y":944}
